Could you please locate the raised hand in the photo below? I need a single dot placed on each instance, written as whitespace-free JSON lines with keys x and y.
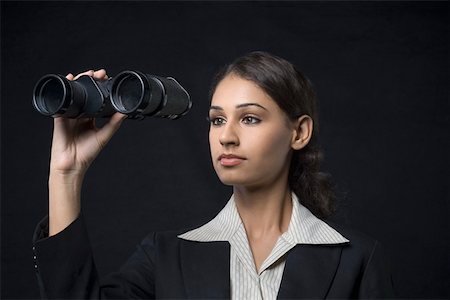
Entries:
{"x":76,"y":142}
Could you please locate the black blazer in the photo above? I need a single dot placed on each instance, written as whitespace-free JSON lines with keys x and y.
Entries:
{"x":165,"y":266}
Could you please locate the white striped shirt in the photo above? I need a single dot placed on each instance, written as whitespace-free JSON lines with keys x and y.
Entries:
{"x":246,"y":282}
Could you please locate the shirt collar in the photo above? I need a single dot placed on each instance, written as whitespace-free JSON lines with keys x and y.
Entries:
{"x":304,"y":227}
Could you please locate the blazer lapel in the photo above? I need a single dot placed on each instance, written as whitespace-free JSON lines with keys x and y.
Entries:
{"x":309,"y":271}
{"x":206,"y":269}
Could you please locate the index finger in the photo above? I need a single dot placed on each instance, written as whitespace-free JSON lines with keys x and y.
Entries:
{"x":89,"y":73}
{"x":100,"y":74}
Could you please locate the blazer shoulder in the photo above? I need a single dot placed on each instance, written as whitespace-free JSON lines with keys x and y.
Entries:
{"x":361,"y":245}
{"x":158,"y":240}
{"x":353,"y":234}
{"x":367,"y":257}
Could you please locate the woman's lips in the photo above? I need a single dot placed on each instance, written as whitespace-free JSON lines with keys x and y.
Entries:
{"x":230,"y":160}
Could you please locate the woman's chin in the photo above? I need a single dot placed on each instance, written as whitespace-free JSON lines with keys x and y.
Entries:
{"x":238,"y":181}
{"x":233,"y":181}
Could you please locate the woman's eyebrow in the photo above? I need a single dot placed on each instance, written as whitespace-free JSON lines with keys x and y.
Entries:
{"x":250,"y":104}
{"x":215,"y":107}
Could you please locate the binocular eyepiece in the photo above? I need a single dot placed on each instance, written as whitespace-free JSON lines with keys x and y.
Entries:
{"x":130,"y":92}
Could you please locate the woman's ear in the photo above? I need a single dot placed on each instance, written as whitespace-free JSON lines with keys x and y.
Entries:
{"x":302,"y":132}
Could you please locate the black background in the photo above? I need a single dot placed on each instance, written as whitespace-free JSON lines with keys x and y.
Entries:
{"x":381,"y":73}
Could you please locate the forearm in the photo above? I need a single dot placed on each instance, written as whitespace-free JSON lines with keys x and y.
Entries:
{"x":64,"y":200}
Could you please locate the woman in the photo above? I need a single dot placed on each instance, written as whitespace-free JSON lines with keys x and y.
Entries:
{"x":267,"y":242}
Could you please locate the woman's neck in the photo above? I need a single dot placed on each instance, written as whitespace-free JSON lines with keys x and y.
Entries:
{"x":264,"y":211}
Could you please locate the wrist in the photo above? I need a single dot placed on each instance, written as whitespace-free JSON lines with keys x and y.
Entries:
{"x":74,"y":178}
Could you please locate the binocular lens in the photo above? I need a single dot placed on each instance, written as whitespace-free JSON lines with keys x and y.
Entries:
{"x":49,"y":95}
{"x":128,"y":93}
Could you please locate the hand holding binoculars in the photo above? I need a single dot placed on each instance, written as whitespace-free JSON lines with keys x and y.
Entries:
{"x":130,"y":92}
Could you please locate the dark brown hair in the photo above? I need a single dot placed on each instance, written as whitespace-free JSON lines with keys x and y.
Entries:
{"x":294,"y":94}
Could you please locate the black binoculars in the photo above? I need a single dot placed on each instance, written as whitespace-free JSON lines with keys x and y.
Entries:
{"x":130,"y":92}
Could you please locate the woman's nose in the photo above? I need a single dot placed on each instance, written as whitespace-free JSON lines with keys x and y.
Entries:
{"x":229,"y":135}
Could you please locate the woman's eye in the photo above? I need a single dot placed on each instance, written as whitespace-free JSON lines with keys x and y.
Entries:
{"x":250,"y":120}
{"x":217,"y":121}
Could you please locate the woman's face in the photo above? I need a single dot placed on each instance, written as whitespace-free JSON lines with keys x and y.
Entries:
{"x":250,"y":136}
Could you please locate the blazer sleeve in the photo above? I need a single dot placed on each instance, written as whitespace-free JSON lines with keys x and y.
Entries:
{"x":65,"y":267}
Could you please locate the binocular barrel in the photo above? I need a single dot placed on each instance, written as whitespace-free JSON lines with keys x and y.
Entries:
{"x":130,"y":92}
